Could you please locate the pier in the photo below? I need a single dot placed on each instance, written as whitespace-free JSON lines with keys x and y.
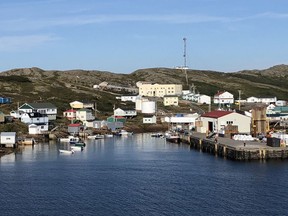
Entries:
{"x":234,"y":149}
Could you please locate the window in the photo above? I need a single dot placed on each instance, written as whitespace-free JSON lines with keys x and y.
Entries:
{"x":229,"y":122}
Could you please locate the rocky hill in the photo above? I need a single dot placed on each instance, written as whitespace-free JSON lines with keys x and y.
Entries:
{"x":62,"y":87}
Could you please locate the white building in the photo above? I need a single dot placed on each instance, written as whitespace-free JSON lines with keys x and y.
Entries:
{"x":37,"y":128}
{"x":182,"y":119}
{"x":131,"y":98}
{"x":223,"y":98}
{"x":44,"y":108}
{"x":84,"y":115}
{"x":125,"y":113}
{"x":216,"y":121}
{"x":34,"y":118}
{"x":149,"y":120}
{"x":170,"y":100}
{"x":266,"y":100}
{"x":8,"y":139}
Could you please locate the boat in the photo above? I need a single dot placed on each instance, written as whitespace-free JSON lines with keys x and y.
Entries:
{"x":80,"y":143}
{"x":108,"y":135}
{"x":97,"y":136}
{"x":158,"y":135}
{"x":172,"y":137}
{"x":63,"y":151}
{"x":124,"y":133}
{"x":70,"y":139}
{"x":77,"y":148}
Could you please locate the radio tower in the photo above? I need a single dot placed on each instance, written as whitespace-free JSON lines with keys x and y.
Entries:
{"x":184,"y":68}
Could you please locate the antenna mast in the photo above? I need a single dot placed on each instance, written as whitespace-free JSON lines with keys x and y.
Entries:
{"x":184,"y":55}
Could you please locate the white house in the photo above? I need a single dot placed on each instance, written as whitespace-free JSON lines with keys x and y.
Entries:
{"x":266,"y":100}
{"x":34,"y":118}
{"x":131,"y":98}
{"x":44,"y":108}
{"x":223,"y":98}
{"x":37,"y":128}
{"x":204,"y":99}
{"x":217,"y":120}
{"x":125,"y":113}
{"x":149,"y":119}
{"x":70,"y":114}
{"x":84,"y":115}
{"x":8,"y":139}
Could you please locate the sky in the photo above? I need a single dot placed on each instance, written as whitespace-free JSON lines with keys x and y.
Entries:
{"x":122,"y":36}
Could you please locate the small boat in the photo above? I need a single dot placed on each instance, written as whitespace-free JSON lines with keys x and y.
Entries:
{"x":80,"y":143}
{"x":69,"y":139}
{"x":77,"y":148}
{"x":97,"y":136}
{"x":158,"y":135}
{"x":66,"y":151}
{"x":172,"y":137}
{"x":124,"y":133}
{"x":108,"y":135}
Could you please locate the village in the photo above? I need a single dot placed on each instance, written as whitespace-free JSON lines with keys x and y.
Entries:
{"x":222,"y":116}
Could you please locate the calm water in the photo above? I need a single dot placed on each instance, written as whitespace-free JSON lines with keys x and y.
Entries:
{"x":138,"y":175}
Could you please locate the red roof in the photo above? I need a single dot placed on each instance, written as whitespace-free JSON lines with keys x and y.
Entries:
{"x":71,"y":110}
{"x":216,"y":114}
{"x":74,"y":125}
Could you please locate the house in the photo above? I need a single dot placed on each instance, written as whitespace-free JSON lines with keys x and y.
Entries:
{"x":159,"y":90}
{"x":75,"y":128}
{"x":82,"y":105}
{"x":125,"y":113}
{"x":70,"y":114}
{"x":149,"y":119}
{"x":16,"y":114}
{"x":223,"y":98}
{"x":116,"y":119}
{"x":204,"y":99}
{"x":2,"y":117}
{"x":76,"y":105}
{"x":114,"y":126}
{"x":182,"y":121}
{"x":131,"y":98}
{"x":218,"y":120}
{"x":84,"y":115}
{"x":8,"y":139}
{"x":37,"y":128}
{"x":170,"y":100}
{"x":34,"y":118}
{"x":266,"y":100}
{"x":44,"y":108}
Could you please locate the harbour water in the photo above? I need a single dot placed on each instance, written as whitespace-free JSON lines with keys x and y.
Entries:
{"x":138,"y":175}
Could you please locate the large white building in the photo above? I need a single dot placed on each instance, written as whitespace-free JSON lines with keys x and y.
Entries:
{"x":217,"y":120}
{"x":266,"y":100}
{"x":159,"y":90}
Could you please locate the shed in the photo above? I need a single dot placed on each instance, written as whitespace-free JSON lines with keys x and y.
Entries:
{"x":75,"y":128}
{"x":8,"y":139}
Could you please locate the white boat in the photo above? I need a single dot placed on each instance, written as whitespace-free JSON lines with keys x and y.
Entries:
{"x":66,"y":151}
{"x":97,"y":136}
{"x":70,"y":139}
{"x":108,"y":135}
{"x":172,"y":137}
{"x":77,"y":148}
{"x":125,"y":133}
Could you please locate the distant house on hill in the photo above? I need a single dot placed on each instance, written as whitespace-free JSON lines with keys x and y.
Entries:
{"x":34,"y":118}
{"x":70,"y":114}
{"x":223,"y":98}
{"x":266,"y":100}
{"x":44,"y":108}
{"x":125,"y":113}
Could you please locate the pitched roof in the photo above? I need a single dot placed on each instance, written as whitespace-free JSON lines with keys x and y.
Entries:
{"x":74,"y":125}
{"x":37,"y":105}
{"x":216,"y":114}
{"x":71,"y":110}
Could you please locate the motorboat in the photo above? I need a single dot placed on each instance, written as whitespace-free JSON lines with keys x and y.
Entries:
{"x":172,"y":137}
{"x":77,"y":148}
{"x":157,"y":135}
{"x":108,"y":135}
{"x":123,"y":133}
{"x":69,"y":139}
{"x":63,"y":151}
{"x":80,"y":143}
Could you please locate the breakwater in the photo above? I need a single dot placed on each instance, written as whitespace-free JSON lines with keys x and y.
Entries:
{"x":235,"y":150}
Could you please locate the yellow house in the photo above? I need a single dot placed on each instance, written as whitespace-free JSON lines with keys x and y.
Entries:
{"x":76,"y":105}
{"x":170,"y":100}
{"x":159,"y":90}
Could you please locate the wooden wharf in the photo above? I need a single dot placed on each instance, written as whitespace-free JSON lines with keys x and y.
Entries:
{"x":234,"y":149}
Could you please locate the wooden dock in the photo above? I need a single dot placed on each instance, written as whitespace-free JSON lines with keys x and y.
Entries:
{"x":234,"y":149}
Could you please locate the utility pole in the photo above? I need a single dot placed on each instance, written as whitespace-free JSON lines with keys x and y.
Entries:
{"x":239,"y":103}
{"x":185,"y":62}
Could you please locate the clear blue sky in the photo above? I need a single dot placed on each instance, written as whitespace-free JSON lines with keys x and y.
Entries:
{"x":122,"y":36}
